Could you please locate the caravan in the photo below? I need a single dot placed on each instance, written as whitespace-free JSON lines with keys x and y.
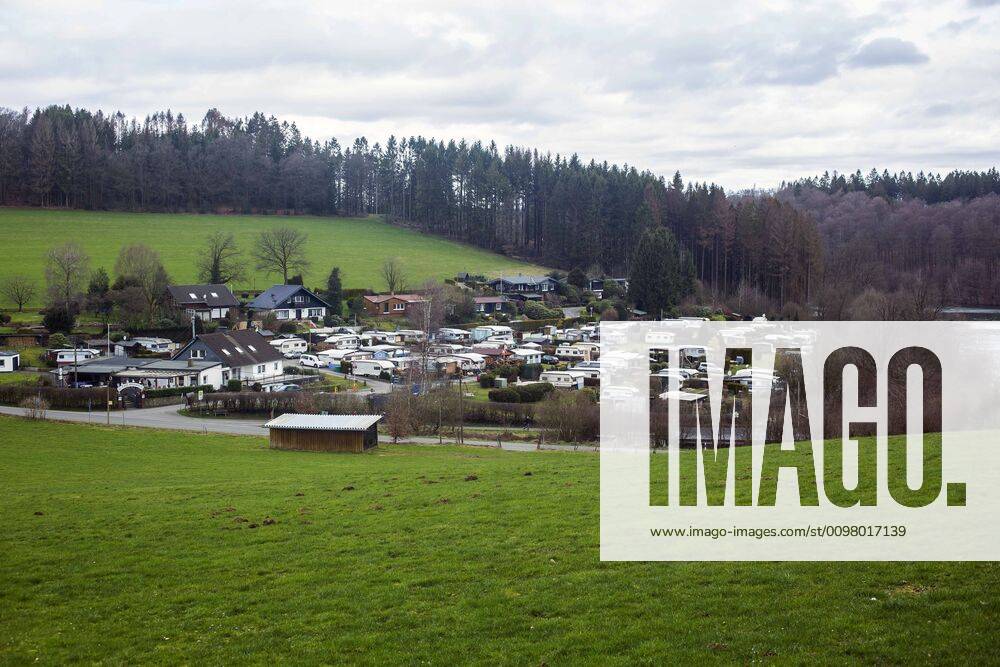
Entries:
{"x":372,"y":367}
{"x":290,"y":348}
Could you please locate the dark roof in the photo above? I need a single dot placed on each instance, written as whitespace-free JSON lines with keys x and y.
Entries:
{"x":240,"y":348}
{"x":409,"y":298}
{"x":524,"y":280}
{"x":278,"y":294}
{"x":491,"y":299}
{"x":212,"y":296}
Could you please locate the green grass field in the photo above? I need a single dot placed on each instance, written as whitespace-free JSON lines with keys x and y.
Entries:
{"x":129,"y":546}
{"x":357,"y":245}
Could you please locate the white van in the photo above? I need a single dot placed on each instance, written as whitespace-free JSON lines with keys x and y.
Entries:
{"x":312,"y":361}
{"x":371,"y":367}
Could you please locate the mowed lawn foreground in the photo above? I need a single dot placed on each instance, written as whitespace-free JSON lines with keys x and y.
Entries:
{"x":130,"y":545}
{"x":357,"y":245}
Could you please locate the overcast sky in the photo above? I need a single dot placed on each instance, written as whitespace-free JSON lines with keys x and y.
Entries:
{"x":743,"y":94}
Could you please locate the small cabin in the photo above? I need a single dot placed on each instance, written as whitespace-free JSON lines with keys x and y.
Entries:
{"x":324,"y":433}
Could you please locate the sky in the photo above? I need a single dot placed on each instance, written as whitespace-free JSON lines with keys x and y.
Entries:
{"x":742,"y":94}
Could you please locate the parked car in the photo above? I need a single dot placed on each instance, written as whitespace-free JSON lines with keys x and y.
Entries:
{"x":312,"y":361}
{"x":549,"y":359}
{"x":287,"y":387}
{"x":292,"y":355}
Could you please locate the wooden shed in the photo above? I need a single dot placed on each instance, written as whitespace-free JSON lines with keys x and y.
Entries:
{"x":324,"y":433}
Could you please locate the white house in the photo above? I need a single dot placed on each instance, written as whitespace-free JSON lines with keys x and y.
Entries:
{"x":246,"y":355}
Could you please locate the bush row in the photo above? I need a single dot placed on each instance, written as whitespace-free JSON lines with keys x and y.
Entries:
{"x":178,"y":391}
{"x":56,"y":397}
{"x":527,"y":393}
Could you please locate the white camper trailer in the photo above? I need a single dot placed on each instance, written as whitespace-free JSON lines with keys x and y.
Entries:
{"x":371,"y":367}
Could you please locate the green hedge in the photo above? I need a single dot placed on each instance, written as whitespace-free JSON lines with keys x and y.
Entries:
{"x":527,"y":393}
{"x":178,"y":391}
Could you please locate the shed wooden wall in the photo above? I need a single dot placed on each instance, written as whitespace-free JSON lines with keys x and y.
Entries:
{"x":313,"y":440}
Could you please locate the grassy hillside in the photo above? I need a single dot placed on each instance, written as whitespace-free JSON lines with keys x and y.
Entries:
{"x":145,"y":546}
{"x":357,"y":245}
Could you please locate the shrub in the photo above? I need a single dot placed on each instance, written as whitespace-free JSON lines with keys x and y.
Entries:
{"x":287,"y":328}
{"x":59,"y":319}
{"x":178,"y":391}
{"x":509,"y":370}
{"x":535,"y":310}
{"x":505,"y":395}
{"x":4,"y":318}
{"x":34,"y":407}
{"x":486,"y":380}
{"x":234,"y":385}
{"x":527,"y":393}
{"x":58,"y":340}
{"x":54,"y":397}
{"x":570,"y":416}
{"x":345,"y":367}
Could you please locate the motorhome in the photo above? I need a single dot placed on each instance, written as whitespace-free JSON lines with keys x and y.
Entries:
{"x":486,"y":331}
{"x":590,"y":369}
{"x":410,"y":336}
{"x":372,"y":367}
{"x":454,"y":335}
{"x":564,"y":379}
{"x":573,"y":353}
{"x":290,"y":348}
{"x":343,"y":341}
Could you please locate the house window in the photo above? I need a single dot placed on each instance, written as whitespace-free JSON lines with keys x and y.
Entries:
{"x":197,"y":354}
{"x":315,"y":312}
{"x":276,"y":365}
{"x":260,"y":369}
{"x":399,"y":306}
{"x":298,"y":299}
{"x":281,"y":314}
{"x":385,"y":307}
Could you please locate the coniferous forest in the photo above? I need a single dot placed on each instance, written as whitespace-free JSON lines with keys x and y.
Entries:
{"x":834,"y":243}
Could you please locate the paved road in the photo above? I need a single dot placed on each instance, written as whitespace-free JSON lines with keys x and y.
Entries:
{"x":167,"y":417}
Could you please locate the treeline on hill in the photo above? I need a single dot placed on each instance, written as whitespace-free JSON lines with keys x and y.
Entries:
{"x":750,"y":251}
{"x":904,"y":258}
{"x":558,"y":209}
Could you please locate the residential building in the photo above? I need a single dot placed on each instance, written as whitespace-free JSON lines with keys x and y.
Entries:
{"x":490,"y":305}
{"x":391,"y":305}
{"x":247,"y":355}
{"x":524,"y":287}
{"x":289,"y":302}
{"x":206,"y":302}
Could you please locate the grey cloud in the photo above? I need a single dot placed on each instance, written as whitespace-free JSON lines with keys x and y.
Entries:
{"x":888,"y":52}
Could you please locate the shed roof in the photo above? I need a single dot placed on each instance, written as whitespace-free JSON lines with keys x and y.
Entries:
{"x":324,"y":422}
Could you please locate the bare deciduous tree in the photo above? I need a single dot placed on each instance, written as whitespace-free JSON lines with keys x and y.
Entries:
{"x":281,"y":250}
{"x":220,"y":261}
{"x":19,"y":290}
{"x":393,"y":275}
{"x":141,"y":266}
{"x":66,"y":272}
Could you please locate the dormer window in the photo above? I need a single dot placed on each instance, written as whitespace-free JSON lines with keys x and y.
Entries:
{"x":197,"y":354}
